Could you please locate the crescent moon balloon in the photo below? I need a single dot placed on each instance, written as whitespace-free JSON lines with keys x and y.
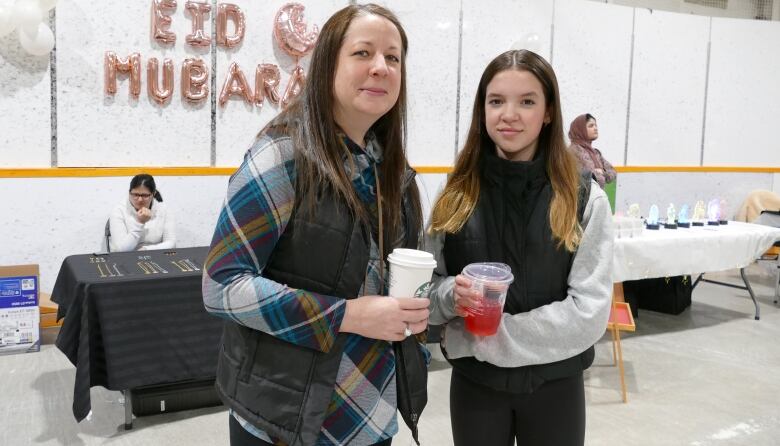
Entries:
{"x":290,"y":30}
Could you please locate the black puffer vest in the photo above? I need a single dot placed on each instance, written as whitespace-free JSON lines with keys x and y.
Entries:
{"x":282,"y":388}
{"x":510,"y":224}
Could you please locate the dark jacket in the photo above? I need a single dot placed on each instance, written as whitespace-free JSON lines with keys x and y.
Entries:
{"x":326,"y":252}
{"x":510,"y":224}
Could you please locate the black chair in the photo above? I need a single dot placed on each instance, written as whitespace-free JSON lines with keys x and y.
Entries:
{"x":772,"y":218}
{"x":774,"y":255}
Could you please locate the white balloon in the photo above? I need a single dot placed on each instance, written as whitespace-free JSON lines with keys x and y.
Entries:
{"x":47,"y":5}
{"x":7,"y":23}
{"x":41,"y":43}
{"x":28,"y":15}
{"x":532,"y":42}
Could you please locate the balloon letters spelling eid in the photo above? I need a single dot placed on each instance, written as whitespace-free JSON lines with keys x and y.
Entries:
{"x":197,"y":11}
{"x":225,"y":12}
{"x":161,"y":20}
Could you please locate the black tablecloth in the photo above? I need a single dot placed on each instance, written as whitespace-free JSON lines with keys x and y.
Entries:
{"x":134,"y":319}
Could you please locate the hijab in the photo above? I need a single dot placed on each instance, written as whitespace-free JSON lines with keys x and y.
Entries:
{"x":578,"y":134}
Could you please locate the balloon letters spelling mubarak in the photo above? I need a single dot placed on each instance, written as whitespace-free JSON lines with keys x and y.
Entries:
{"x":290,"y":33}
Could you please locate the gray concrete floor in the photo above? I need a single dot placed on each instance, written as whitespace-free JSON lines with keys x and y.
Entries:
{"x":709,"y":376}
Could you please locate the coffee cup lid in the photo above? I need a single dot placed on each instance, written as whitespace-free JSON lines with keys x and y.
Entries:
{"x":489,"y":272}
{"x":412,"y":258}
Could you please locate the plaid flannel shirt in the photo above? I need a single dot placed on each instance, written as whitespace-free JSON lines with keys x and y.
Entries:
{"x":258,"y":206}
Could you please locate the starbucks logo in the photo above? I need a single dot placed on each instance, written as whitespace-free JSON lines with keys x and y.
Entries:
{"x":422,"y":290}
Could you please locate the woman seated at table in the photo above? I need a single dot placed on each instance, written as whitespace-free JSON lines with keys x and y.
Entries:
{"x":142,"y":221}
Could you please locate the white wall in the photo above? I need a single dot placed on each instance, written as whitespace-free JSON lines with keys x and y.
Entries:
{"x":667,"y":103}
{"x":743,"y":103}
{"x":25,"y":107}
{"x":592,"y":64}
{"x":432,"y":77}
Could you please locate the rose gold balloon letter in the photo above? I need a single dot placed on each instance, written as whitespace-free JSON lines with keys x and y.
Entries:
{"x":235,"y":84}
{"x":290,"y":31}
{"x":161,"y":20}
{"x":194,"y":80}
{"x":131,"y":65}
{"x":294,"y":86}
{"x":225,"y":12}
{"x":266,"y":83}
{"x":198,"y":10}
{"x":159,"y":95}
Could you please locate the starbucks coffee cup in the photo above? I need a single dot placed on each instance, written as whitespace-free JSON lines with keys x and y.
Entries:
{"x":410,"y":272}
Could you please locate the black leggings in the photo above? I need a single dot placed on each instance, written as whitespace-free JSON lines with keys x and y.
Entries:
{"x":241,"y":437}
{"x":553,"y":415}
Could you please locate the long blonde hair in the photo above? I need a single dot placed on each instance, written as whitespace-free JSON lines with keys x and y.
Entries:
{"x":459,"y":198}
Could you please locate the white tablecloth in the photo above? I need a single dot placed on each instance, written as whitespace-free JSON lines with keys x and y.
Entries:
{"x":674,"y":252}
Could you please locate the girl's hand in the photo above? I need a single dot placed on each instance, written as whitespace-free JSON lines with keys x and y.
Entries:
{"x":465,"y":298}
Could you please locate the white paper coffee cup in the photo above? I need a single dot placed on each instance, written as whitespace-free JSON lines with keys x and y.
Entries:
{"x":410,"y":272}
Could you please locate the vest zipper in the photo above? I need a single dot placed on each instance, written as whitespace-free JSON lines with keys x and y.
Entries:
{"x":522,"y":259}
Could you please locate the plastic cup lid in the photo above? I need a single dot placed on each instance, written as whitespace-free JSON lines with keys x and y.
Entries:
{"x":489,"y":272}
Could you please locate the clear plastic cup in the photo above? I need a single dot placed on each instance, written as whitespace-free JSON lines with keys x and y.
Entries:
{"x":491,"y":281}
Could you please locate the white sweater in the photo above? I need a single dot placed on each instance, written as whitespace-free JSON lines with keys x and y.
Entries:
{"x":551,"y":332}
{"x":127,"y":234}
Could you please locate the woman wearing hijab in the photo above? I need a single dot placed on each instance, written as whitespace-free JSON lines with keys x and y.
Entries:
{"x":582,"y":132}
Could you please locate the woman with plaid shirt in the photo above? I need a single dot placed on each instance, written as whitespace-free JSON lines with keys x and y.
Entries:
{"x":296,"y":266}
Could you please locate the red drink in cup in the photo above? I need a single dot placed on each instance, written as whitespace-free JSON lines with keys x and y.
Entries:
{"x":492,"y":281}
{"x":484,"y":321}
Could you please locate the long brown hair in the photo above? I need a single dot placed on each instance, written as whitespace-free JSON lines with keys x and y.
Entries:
{"x":459,"y":198}
{"x":319,"y":151}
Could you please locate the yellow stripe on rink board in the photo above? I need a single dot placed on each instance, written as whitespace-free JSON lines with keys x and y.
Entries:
{"x":432,"y":169}
{"x":725,"y":169}
{"x":83,"y":172}
{"x":634,"y":169}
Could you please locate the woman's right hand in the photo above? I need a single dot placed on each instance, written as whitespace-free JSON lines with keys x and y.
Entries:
{"x":386,"y":318}
{"x":143,"y":215}
{"x":464,"y":297}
